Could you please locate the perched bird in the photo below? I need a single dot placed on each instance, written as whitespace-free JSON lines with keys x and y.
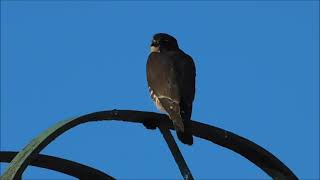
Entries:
{"x":171,"y":79}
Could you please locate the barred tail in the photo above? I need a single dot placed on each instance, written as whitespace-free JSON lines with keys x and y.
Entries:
{"x":173,"y":109}
{"x":183,"y":131}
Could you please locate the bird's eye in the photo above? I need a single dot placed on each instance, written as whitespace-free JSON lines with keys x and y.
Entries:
{"x":155,"y":43}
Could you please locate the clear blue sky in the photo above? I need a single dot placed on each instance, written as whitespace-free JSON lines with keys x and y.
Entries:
{"x":257,"y":76}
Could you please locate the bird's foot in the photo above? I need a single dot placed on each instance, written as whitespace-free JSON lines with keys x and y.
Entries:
{"x":150,"y":124}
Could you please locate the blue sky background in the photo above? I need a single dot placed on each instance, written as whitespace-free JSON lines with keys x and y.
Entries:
{"x":257,"y":76}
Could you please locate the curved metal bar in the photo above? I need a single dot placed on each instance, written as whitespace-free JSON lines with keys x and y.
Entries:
{"x":253,"y":152}
{"x":68,"y":167}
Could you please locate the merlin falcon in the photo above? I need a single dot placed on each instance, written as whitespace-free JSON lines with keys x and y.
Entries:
{"x":171,"y":79}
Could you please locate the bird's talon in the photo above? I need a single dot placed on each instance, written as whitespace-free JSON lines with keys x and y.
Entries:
{"x":150,"y":124}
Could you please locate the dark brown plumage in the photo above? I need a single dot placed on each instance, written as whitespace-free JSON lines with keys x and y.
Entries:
{"x":171,"y":79}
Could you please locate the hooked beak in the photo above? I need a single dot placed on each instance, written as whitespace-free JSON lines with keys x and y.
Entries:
{"x":155,"y":46}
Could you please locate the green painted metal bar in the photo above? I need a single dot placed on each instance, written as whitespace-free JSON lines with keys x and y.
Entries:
{"x":68,"y":167}
{"x":253,"y":152}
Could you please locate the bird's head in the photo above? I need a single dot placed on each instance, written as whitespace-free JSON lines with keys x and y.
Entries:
{"x":163,"y":42}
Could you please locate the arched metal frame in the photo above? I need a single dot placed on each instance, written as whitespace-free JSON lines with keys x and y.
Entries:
{"x":251,"y":151}
{"x":68,"y":167}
